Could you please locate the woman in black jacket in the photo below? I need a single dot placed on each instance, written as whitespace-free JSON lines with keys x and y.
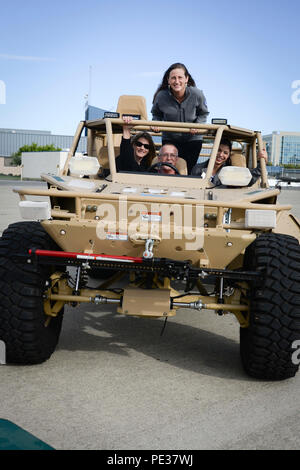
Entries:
{"x":177,"y":99}
{"x":137,"y":152}
{"x":223,"y":159}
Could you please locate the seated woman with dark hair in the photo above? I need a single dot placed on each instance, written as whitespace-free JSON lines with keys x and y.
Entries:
{"x":137,"y":152}
{"x":223,"y":159}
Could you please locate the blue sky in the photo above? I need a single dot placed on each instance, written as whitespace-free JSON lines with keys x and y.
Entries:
{"x":244,"y":55}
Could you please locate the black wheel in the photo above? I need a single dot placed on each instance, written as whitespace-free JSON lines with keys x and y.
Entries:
{"x":267,"y":344}
{"x":28,"y":338}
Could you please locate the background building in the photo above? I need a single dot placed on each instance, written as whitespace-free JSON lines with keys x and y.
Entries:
{"x":36,"y":163}
{"x":91,"y":113}
{"x":12,"y":139}
{"x":283,"y":147}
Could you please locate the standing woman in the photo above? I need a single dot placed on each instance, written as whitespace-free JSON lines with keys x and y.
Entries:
{"x":178,"y":99}
{"x":137,"y":152}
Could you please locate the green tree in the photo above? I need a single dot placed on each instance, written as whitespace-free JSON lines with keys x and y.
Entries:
{"x":16,"y":157}
{"x":291,"y":165}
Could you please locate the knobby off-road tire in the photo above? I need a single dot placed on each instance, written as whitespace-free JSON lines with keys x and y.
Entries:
{"x":267,"y":344}
{"x":22,"y":318}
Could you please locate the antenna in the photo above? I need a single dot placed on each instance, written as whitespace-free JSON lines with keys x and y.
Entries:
{"x":90,"y":83}
{"x":87,"y":96}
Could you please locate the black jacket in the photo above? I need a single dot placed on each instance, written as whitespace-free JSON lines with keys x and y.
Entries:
{"x":126,"y":161}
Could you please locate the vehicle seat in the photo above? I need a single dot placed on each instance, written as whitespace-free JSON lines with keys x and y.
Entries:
{"x":180,"y":165}
{"x":237,"y":158}
{"x":132,"y":104}
{"x":103,"y":156}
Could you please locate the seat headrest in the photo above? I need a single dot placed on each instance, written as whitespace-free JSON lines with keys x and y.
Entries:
{"x":132,"y":104}
{"x":103,"y":156}
{"x":238,"y":159}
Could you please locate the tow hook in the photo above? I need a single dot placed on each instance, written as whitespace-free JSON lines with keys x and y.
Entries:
{"x":148,"y":253}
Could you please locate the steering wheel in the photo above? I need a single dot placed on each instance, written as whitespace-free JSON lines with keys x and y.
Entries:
{"x":158,"y":166}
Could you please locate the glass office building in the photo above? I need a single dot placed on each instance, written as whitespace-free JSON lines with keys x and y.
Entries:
{"x":290,"y":149}
{"x":91,"y":113}
{"x":283,"y":147}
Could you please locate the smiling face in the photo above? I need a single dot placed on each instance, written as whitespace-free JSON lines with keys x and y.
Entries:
{"x":140,"y":151}
{"x":169,"y":154}
{"x":177,"y":81}
{"x":222,"y":156}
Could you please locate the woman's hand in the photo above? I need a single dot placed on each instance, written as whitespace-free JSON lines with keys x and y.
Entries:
{"x":263,"y":154}
{"x":194,"y":131}
{"x":127,"y":127}
{"x":155,"y":129}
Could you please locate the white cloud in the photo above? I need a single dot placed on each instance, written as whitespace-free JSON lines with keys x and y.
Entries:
{"x":25,"y":57}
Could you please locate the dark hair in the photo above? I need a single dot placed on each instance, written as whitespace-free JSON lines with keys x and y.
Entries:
{"x":164,"y":84}
{"x":152,"y":153}
{"x":227,"y":142}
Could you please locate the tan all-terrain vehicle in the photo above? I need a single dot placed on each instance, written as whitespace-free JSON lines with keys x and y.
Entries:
{"x":231,"y":247}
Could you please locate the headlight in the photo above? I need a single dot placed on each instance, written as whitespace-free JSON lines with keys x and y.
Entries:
{"x":35,"y":210}
{"x":235,"y":176}
{"x":260,"y":218}
{"x":87,"y":166}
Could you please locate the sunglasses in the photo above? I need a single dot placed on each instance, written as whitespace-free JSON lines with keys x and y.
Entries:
{"x":140,"y":144}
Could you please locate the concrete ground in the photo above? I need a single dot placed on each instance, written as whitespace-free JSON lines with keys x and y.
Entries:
{"x":115,"y":383}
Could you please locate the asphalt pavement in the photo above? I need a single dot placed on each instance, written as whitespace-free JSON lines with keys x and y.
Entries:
{"x":115,"y":383}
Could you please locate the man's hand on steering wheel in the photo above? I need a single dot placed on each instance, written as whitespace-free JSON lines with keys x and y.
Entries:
{"x":157,"y":166}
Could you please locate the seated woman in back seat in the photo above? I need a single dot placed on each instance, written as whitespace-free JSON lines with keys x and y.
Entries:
{"x":223,"y":159}
{"x":137,"y":152}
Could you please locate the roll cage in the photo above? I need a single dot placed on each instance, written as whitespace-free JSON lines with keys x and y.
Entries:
{"x":105,"y":134}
